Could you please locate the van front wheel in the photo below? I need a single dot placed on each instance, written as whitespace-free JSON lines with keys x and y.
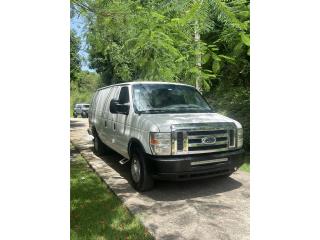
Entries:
{"x":141,"y":178}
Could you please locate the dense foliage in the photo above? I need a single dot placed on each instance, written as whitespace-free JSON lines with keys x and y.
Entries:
{"x":83,"y":89}
{"x":155,"y":40}
{"x":82,"y":83}
{"x":75,"y":61}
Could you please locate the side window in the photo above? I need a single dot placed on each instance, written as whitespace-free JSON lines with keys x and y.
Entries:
{"x":106,"y":103}
{"x":124,"y":95}
{"x":114,"y":93}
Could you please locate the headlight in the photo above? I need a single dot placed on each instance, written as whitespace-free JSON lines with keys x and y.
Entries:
{"x":239,"y":138}
{"x":160,"y":143}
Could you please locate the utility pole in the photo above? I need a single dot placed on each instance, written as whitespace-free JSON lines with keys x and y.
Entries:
{"x":198,"y":55}
{"x":198,"y":50}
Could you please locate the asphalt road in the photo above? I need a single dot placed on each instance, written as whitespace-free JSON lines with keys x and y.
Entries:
{"x":214,"y":208}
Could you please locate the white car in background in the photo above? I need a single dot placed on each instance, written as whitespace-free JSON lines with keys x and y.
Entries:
{"x":81,"y":109}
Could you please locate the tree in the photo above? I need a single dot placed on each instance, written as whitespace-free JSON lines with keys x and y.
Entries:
{"x":155,"y":40}
{"x":75,"y":62}
{"x":155,"y":44}
{"x":83,"y":89}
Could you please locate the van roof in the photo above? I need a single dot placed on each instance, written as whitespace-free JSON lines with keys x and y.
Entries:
{"x":144,"y":82}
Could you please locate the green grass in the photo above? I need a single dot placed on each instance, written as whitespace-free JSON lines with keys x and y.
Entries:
{"x":246,"y":165}
{"x":96,"y":213}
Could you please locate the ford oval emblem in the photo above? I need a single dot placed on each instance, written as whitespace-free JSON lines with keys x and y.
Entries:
{"x":208,"y":140}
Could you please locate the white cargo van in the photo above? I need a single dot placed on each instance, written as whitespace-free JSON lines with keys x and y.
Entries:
{"x":165,"y":130}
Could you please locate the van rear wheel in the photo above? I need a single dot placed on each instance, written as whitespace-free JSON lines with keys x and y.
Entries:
{"x":140,"y":175}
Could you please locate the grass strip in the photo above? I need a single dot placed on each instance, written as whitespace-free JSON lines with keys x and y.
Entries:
{"x":96,"y":213}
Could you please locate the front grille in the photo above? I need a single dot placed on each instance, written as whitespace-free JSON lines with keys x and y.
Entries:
{"x":195,"y":140}
{"x":180,"y":141}
{"x":203,"y":138}
{"x":198,"y":140}
{"x":195,"y":133}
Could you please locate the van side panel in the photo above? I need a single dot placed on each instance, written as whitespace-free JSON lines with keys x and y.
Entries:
{"x":138,"y":124}
{"x":99,"y":124}
{"x":106,"y":129}
{"x":110,"y":129}
{"x":92,"y":109}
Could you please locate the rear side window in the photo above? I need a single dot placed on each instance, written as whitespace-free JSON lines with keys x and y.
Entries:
{"x":124,"y":95}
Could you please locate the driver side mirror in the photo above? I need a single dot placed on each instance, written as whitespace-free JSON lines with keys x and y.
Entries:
{"x":116,"y":107}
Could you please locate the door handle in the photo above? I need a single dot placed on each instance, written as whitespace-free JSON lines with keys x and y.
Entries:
{"x":114,"y":126}
{"x":105,"y":123}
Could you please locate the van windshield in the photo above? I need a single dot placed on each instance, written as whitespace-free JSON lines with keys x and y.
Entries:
{"x":168,"y":98}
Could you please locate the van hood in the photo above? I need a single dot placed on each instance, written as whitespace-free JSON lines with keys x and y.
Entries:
{"x":164,"y":121}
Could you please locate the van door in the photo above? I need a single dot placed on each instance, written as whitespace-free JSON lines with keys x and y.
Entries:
{"x":92,"y":107}
{"x":110,"y":120}
{"x":123,"y":123}
{"x":99,"y":111}
{"x":105,"y":134}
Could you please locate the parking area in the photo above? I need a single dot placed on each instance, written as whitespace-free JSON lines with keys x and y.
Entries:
{"x":214,"y":208}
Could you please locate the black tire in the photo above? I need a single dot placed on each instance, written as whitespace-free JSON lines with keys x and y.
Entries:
{"x":75,"y":115}
{"x":144,"y":181}
{"x":98,"y":145}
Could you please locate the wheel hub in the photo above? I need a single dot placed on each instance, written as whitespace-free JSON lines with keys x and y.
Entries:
{"x":135,"y":170}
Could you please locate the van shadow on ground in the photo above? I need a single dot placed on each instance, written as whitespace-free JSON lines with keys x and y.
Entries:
{"x":174,"y":191}
{"x":74,"y":123}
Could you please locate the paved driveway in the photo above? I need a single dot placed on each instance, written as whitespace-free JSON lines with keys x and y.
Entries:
{"x":199,"y":209}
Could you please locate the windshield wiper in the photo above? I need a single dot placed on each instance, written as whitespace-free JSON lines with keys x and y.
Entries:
{"x":153,"y":111}
{"x":177,"y":110}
